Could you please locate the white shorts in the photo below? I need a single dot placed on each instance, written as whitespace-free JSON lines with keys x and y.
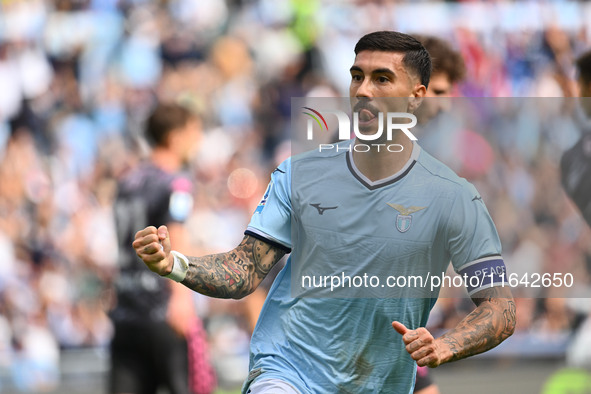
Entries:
{"x":271,"y":386}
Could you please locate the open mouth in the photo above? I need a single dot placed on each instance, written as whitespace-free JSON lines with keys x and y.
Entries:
{"x":367,"y":113}
{"x":366,"y":117}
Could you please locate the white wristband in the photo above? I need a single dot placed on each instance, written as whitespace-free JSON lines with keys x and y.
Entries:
{"x":179,"y":267}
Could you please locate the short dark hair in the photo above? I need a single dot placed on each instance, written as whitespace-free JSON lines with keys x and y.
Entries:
{"x":583,"y":63}
{"x":416,"y":58}
{"x":444,"y":58}
{"x":165,"y":118}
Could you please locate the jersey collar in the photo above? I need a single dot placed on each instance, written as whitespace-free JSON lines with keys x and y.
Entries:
{"x":371,"y":185}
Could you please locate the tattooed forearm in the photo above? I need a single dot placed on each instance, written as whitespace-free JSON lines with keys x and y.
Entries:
{"x":234,"y":274}
{"x":488,"y":325}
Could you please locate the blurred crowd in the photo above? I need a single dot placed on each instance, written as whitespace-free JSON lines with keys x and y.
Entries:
{"x":78,"y":78}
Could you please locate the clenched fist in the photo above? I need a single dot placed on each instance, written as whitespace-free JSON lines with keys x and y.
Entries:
{"x":152,"y":245}
{"x":422,"y":347}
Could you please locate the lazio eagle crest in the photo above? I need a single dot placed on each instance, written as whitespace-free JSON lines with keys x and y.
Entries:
{"x":404,"y":218}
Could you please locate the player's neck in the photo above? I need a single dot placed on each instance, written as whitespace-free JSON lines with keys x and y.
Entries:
{"x":166,"y":160}
{"x":379,"y":162}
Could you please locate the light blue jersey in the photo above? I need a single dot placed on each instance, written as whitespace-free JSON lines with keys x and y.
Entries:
{"x":338,"y":222}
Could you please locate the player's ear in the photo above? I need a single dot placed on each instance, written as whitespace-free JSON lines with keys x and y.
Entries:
{"x":416,"y":99}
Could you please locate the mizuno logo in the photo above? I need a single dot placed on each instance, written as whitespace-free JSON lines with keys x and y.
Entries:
{"x":405,"y":211}
{"x":322,"y":209}
{"x":477,"y":198}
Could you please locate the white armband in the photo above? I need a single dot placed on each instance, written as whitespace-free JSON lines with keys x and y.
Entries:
{"x":179,"y":267}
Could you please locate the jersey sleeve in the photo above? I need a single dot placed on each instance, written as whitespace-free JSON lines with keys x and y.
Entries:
{"x":271,"y":220}
{"x":180,"y":200}
{"x":473,"y":242}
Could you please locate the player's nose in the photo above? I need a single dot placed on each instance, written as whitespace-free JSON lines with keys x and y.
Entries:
{"x":364,"y":89}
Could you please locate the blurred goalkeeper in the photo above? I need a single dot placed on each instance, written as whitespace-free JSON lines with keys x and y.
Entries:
{"x":376,"y":208}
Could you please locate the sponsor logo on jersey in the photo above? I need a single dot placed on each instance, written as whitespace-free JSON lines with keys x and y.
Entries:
{"x":322,"y":209}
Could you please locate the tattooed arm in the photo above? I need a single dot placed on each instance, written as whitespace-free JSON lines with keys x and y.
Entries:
{"x":233,"y":274}
{"x":485,"y":327}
